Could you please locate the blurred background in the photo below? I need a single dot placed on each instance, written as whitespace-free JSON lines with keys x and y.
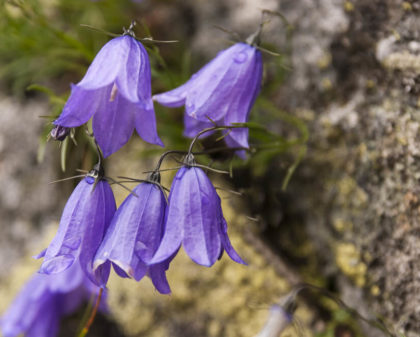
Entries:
{"x":330,"y":199}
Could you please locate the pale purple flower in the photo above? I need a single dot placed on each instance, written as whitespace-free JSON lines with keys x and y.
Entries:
{"x":116,"y":91}
{"x":133,"y":237}
{"x":44,"y":300}
{"x":195,"y":220}
{"x":223,"y":91}
{"x":83,"y":224}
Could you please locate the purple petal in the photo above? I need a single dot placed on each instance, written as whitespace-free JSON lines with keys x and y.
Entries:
{"x":120,"y":272}
{"x":101,"y":270}
{"x":107,"y":64}
{"x":40,"y":255}
{"x":173,"y":229}
{"x":68,"y":238}
{"x":134,"y":76}
{"x":193,"y":126}
{"x":211,"y":87}
{"x":244,"y":98}
{"x":135,"y":231}
{"x":57,"y":264}
{"x":158,"y":277}
{"x":47,"y":322}
{"x":26,"y":313}
{"x":230,"y":142}
{"x":174,"y":98}
{"x":85,"y":218}
{"x":191,"y":207}
{"x":146,"y":124}
{"x":113,"y":123}
{"x":81,"y":105}
{"x":99,"y":217}
{"x":227,"y":245}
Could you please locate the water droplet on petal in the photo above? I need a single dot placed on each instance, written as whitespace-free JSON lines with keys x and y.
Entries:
{"x":190,"y":106}
{"x":240,"y":57}
{"x":90,"y":180}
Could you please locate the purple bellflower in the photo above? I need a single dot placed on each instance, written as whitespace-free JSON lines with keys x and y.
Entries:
{"x":38,"y":308}
{"x":223,"y":91}
{"x":116,"y":91}
{"x":195,"y":219}
{"x":83,"y":224}
{"x":133,"y":237}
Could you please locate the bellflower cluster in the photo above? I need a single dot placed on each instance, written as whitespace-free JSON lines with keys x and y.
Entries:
{"x":134,"y":236}
{"x":116,"y":91}
{"x":223,"y":91}
{"x":83,"y":224}
{"x":143,"y":236}
{"x":195,"y":219}
{"x":44,"y":300}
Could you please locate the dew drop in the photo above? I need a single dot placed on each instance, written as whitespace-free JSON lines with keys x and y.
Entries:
{"x":190,"y":106}
{"x":240,"y":57}
{"x":90,"y":180}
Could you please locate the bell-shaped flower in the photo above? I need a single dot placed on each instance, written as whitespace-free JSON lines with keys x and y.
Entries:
{"x":116,"y":91}
{"x":83,"y":224}
{"x":133,"y":237}
{"x":44,"y":300}
{"x":223,"y":91}
{"x":195,"y":220}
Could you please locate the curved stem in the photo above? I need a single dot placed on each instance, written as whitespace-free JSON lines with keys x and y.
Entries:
{"x":213,"y":128}
{"x":85,"y":330}
{"x":162,"y":157}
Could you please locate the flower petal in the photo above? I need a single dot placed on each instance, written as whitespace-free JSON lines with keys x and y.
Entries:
{"x":197,"y":200}
{"x":81,"y":105}
{"x":146,"y":124}
{"x":158,"y":277}
{"x":85,"y":218}
{"x":243,"y":99}
{"x":214,"y":85}
{"x":134,"y":76}
{"x":113,"y":123}
{"x":193,"y":126}
{"x":106,"y":65}
{"x":173,"y":229}
{"x":135,"y":232}
{"x":174,"y":98}
{"x":227,"y":245}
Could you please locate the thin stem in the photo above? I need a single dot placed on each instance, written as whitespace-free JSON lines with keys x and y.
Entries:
{"x":133,"y":180}
{"x":162,"y":157}
{"x":69,"y":178}
{"x":213,"y":128}
{"x":85,"y":330}
{"x":205,"y":167}
{"x":163,"y":170}
{"x":119,"y":184}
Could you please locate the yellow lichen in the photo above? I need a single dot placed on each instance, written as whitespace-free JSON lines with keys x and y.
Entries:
{"x":348,"y":260}
{"x":348,"y":6}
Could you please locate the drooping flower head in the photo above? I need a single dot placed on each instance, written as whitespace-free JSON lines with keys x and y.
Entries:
{"x":116,"y":91}
{"x":44,"y":300}
{"x":195,"y":219}
{"x":134,"y":236}
{"x":223,"y":91}
{"x":83,"y":224}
